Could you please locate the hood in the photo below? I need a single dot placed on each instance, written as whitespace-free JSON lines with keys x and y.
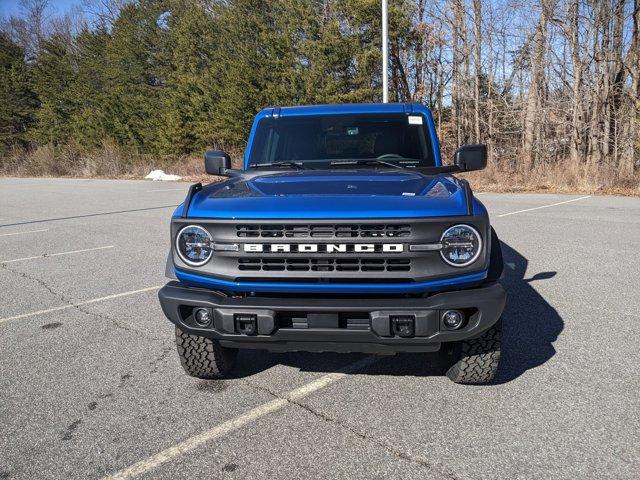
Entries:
{"x":331,"y":194}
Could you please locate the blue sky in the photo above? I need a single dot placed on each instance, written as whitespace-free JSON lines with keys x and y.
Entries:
{"x":12,"y":7}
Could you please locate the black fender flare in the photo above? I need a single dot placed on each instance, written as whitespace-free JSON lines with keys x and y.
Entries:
{"x":496,"y":263}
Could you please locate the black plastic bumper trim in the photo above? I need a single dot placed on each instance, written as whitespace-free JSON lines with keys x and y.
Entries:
{"x":487,"y":303}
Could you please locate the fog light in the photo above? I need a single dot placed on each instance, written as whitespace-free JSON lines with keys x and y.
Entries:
{"x":452,"y":319}
{"x":202,"y":316}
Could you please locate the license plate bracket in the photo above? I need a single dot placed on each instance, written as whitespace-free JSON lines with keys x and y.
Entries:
{"x":323,"y":320}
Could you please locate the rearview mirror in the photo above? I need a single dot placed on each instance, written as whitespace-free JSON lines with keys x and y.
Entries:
{"x":216,"y":162}
{"x":471,"y":157}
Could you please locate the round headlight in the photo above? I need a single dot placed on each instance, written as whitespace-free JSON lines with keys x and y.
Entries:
{"x":193,"y":245}
{"x":461,"y":245}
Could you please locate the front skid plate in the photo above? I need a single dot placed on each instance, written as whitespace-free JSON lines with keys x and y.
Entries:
{"x":486,"y":303}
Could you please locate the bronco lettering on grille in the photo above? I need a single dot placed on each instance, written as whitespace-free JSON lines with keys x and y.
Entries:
{"x":324,"y":247}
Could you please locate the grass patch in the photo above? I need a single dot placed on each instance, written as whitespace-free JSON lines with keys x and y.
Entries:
{"x":111,"y":161}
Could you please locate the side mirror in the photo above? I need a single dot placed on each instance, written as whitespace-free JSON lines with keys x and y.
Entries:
{"x":471,"y":157}
{"x":216,"y":162}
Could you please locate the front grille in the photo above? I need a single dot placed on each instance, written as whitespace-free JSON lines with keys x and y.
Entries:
{"x":324,"y":264}
{"x":342,"y":230}
{"x":329,"y":250}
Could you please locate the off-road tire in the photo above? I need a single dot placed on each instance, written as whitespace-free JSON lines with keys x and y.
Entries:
{"x":204,"y":358}
{"x":477,"y":358}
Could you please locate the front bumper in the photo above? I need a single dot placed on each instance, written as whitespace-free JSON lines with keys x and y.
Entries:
{"x":333,"y":324}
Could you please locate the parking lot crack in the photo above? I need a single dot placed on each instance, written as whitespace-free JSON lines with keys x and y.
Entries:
{"x":395,"y":451}
{"x":115,"y":322}
{"x":40,"y":282}
{"x":156,"y":362}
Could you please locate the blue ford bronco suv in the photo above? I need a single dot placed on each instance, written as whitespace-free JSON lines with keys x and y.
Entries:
{"x":342,"y":232}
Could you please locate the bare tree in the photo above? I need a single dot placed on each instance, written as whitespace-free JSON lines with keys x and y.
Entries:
{"x":573,"y":33}
{"x":31,"y":27}
{"x":460,"y":49}
{"x":632,"y":150}
{"x":477,"y":60}
{"x":531,"y":121}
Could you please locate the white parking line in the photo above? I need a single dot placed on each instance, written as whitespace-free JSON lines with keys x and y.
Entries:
{"x":46,"y":255}
{"x":544,"y":206}
{"x":236,"y":423}
{"x":23,"y":233}
{"x":79,"y":304}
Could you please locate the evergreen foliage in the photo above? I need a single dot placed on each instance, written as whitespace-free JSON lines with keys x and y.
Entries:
{"x":178,"y":76}
{"x":540,"y":81}
{"x":18,"y":102}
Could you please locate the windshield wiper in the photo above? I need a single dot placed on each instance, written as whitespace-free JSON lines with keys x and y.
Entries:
{"x":298,"y":165}
{"x":431,"y":170}
{"x":365,"y":161}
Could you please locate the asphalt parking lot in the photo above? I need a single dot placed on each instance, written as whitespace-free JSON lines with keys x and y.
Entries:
{"x":91,"y":386}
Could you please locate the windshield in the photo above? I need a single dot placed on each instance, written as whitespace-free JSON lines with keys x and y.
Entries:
{"x":331,"y":141}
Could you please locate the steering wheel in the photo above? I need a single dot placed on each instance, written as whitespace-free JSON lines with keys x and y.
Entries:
{"x":389,"y":155}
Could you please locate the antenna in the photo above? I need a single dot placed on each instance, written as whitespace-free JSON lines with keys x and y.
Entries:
{"x":385,"y":54}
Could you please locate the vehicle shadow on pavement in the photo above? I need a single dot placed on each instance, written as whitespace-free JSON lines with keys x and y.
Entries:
{"x":530,"y":326}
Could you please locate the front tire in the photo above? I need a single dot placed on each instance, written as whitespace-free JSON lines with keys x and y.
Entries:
{"x":204,"y":358}
{"x":477,"y":358}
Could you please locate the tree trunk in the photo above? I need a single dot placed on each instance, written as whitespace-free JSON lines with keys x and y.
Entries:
{"x":599,"y":131}
{"x":632,"y":151}
{"x":477,"y":22}
{"x":618,"y":79}
{"x":457,"y":92}
{"x":576,"y":148}
{"x":533,"y":104}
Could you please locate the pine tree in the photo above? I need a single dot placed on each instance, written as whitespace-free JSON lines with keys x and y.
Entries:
{"x":258,"y":64}
{"x":18,"y":102}
{"x":53,"y":76}
{"x":189,"y":99}
{"x":134,"y":76}
{"x":88,"y":122}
